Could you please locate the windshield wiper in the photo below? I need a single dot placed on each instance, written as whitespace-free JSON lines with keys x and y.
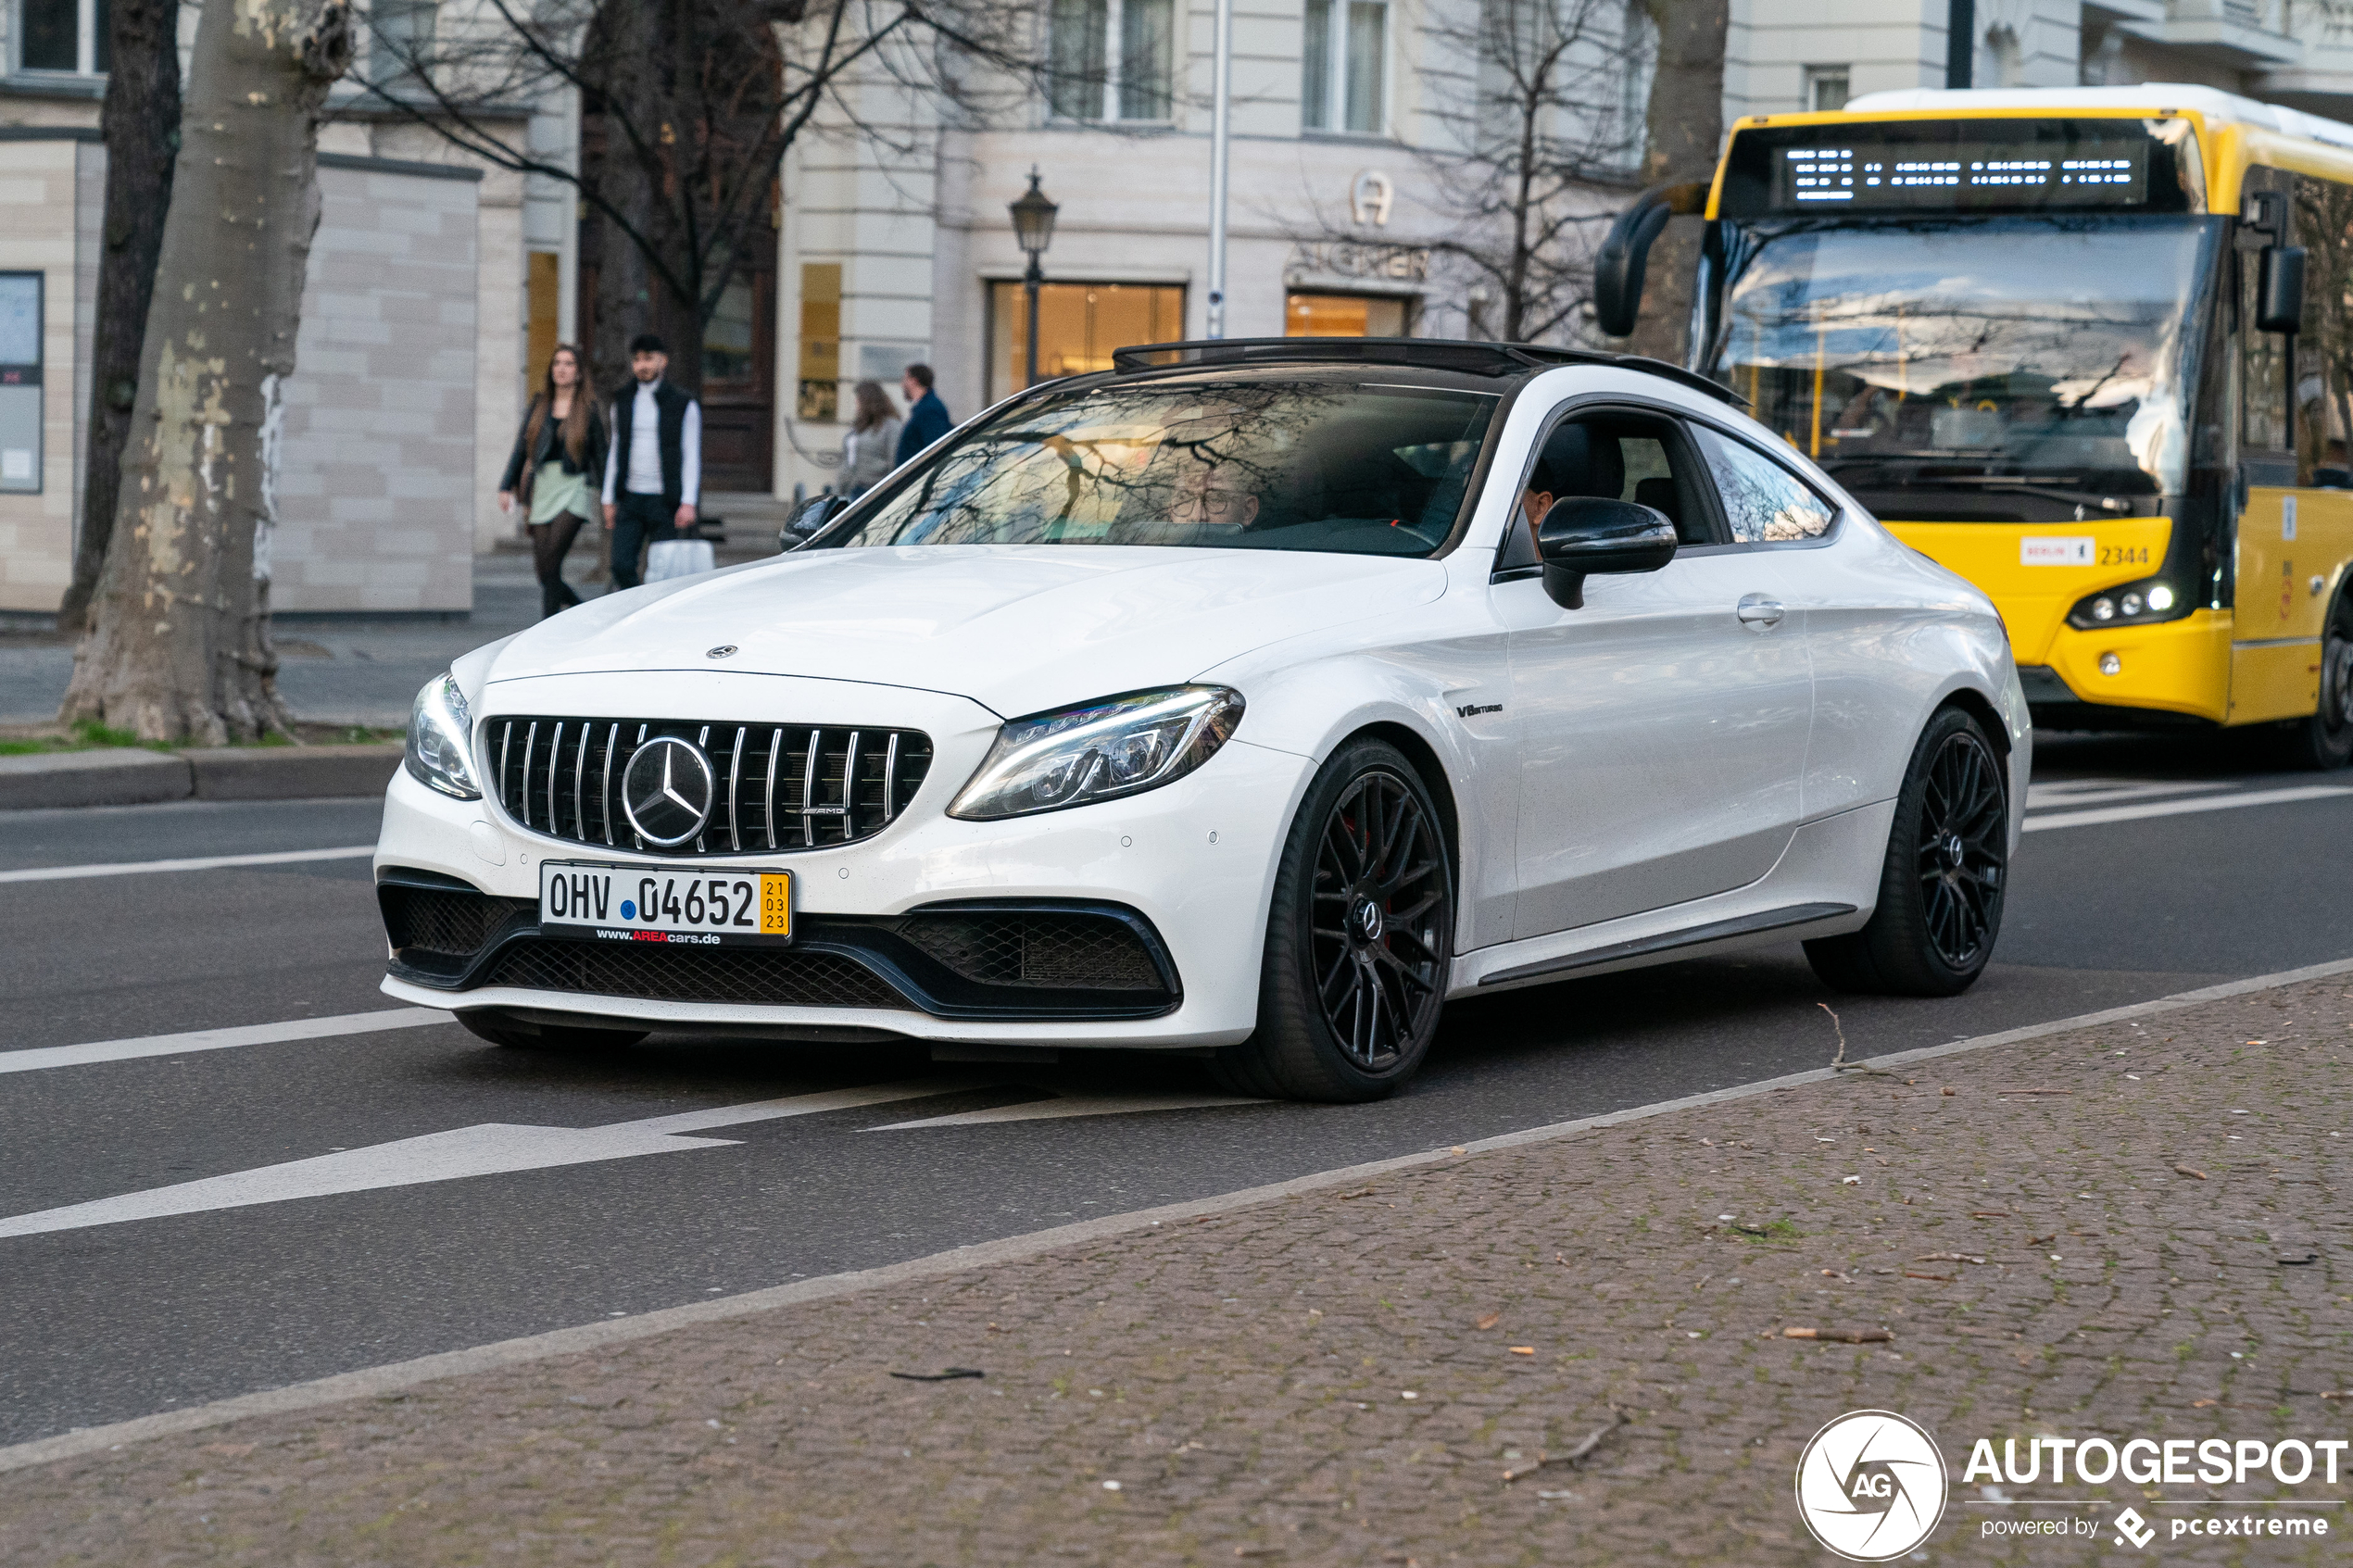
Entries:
{"x":2044,"y":489}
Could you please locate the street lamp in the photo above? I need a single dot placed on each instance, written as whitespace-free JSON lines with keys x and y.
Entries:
{"x":1034,"y":231}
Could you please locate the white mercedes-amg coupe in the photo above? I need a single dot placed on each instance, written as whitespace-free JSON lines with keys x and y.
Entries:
{"x":1250,"y":699}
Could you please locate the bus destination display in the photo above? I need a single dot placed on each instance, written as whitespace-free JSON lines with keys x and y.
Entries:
{"x":1855,"y":175}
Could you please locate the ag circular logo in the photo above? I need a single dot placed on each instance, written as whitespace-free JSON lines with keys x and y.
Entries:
{"x":1871,"y":1485}
{"x":667,"y":791}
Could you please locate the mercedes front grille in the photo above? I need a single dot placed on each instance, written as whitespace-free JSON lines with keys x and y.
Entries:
{"x":779,"y":786}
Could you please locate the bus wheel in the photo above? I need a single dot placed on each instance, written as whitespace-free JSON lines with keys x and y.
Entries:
{"x":1940,"y":891}
{"x":2325,"y":740}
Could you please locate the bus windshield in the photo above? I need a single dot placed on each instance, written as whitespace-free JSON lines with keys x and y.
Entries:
{"x":2020,"y":361}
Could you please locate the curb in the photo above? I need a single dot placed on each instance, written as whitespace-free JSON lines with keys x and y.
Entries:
{"x":132,"y":776}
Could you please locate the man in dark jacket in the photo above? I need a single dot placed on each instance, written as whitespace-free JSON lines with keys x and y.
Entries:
{"x":653,"y":470}
{"x":927,"y":417}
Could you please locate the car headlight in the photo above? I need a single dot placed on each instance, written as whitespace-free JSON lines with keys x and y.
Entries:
{"x":1098,"y":751}
{"x":438,"y":727}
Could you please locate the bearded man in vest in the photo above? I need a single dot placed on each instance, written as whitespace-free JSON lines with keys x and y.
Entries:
{"x":653,"y":470}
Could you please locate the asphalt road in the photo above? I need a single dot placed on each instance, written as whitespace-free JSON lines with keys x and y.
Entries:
{"x":100,"y":1321}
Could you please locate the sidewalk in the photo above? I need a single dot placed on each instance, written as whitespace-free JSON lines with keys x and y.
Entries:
{"x":366,"y":670}
{"x":1344,"y":1376}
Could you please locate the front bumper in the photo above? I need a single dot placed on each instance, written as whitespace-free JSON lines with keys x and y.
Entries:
{"x":1187,"y":869}
{"x":2168,"y":673}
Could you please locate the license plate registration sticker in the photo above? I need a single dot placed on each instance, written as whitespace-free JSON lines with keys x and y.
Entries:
{"x":704,"y":909}
{"x":2055,"y":549}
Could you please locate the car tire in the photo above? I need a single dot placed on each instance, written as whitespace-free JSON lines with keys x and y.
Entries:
{"x":501,"y":1030}
{"x":1359,"y":939}
{"x":1943,"y":881}
{"x":2324,"y":741}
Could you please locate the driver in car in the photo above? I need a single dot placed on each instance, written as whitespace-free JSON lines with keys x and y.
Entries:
{"x":1208,"y":499}
{"x":1541,"y":492}
{"x":1205,"y":498}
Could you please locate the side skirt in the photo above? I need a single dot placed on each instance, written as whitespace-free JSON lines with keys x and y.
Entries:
{"x":1667,"y":941}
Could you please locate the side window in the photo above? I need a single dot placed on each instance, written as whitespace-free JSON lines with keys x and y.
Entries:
{"x":1763,"y":501}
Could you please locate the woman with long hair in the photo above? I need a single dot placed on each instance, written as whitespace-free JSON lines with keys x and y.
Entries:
{"x":559,"y":447}
{"x":871,"y":448}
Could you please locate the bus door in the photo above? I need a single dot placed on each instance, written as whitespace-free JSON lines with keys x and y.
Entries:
{"x":2294,"y":534}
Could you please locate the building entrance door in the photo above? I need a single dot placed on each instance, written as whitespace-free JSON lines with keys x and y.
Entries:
{"x":740,"y":386}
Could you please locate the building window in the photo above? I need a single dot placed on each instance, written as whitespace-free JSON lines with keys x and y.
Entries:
{"x":542,"y":294}
{"x":1088,"y":79}
{"x":1078,"y":325}
{"x":1346,"y":315}
{"x":1826,"y":88}
{"x":399,"y":39}
{"x":62,"y":35}
{"x":1344,"y":68}
{"x":820,"y":397}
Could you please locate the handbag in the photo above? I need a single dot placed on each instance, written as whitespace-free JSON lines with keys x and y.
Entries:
{"x":678,"y":557}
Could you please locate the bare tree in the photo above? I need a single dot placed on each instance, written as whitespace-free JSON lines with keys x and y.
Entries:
{"x":1538,"y":137}
{"x":179,"y":640}
{"x":141,"y":122}
{"x":690,"y":108}
{"x":1686,"y":130}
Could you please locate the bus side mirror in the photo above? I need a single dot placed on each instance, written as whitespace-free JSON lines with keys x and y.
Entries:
{"x":1618,"y":267}
{"x":2280,"y":292}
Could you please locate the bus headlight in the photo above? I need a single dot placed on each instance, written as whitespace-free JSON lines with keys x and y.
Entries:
{"x":2129,"y":604}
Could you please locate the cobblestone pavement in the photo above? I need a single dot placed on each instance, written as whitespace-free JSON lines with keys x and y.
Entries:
{"x":1345,"y":1377}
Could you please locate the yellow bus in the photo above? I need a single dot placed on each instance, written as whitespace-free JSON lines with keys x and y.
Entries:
{"x":2063,"y":342}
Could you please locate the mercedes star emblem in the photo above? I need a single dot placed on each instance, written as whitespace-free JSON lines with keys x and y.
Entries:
{"x":722,"y":651}
{"x":667,"y":791}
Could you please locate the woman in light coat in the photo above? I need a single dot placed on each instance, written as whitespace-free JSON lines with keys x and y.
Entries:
{"x":560,"y":445}
{"x":869,"y":450}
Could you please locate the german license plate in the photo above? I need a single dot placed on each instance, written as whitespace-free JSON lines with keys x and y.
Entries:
{"x":701,"y":908}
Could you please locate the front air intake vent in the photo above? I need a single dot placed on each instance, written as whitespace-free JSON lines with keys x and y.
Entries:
{"x":772,"y":786}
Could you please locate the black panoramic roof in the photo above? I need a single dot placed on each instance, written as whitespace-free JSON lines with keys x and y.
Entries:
{"x":1425,"y":353}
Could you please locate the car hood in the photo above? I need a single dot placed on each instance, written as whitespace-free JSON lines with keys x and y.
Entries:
{"x":1016,"y":628}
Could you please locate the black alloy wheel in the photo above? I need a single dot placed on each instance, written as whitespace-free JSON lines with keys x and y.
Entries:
{"x":2325,"y":740}
{"x":1358,"y":938}
{"x":1941,"y":883}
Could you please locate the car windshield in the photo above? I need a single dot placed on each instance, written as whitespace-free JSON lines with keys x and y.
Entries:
{"x":1231,"y":464}
{"x":1920,"y":361}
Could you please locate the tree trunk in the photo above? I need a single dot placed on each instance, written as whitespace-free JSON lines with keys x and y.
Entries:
{"x":142,"y":125}
{"x":179,"y":640}
{"x":1686,"y":130}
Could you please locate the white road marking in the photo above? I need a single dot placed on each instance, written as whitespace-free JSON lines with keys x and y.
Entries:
{"x":2179,"y":807}
{"x":397,"y":1376}
{"x":203,"y":863}
{"x":2101,"y":792}
{"x":1071,"y":1104}
{"x":489,"y":1149}
{"x":40,"y":1057}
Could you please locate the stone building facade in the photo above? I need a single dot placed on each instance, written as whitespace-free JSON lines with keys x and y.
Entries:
{"x":436,"y":283}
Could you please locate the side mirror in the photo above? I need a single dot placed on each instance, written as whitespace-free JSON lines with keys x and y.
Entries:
{"x":2280,"y":294}
{"x":1583,"y":534}
{"x":815,"y":513}
{"x":1619,"y":266}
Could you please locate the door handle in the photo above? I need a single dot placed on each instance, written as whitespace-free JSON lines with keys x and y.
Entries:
{"x":1761,"y":611}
